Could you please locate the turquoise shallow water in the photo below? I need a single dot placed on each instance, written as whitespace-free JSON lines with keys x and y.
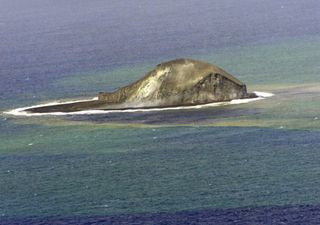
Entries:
{"x":259,"y":154}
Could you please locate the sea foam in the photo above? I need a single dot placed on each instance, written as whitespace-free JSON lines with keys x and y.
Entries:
{"x":23,"y":112}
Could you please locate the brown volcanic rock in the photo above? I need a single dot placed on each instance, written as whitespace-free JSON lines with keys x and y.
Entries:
{"x":174,"y":83}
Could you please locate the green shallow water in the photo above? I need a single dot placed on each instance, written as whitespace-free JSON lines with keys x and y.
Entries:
{"x":110,"y":171}
{"x":257,"y":154}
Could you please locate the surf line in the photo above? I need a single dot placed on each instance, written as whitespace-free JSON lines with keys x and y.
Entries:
{"x":23,"y":112}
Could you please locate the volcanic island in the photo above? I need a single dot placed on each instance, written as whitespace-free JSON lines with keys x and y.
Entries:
{"x":180,"y":82}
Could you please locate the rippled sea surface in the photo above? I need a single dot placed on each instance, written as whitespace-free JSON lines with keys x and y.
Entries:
{"x":254,"y":163}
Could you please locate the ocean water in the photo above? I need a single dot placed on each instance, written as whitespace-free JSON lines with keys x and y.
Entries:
{"x":248,"y":163}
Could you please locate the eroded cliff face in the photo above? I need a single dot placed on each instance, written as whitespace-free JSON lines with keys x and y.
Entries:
{"x":179,"y":82}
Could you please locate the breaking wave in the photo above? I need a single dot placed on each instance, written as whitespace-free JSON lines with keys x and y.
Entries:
{"x":23,"y":112}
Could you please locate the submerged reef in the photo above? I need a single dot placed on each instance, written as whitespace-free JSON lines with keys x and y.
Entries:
{"x":180,"y":82}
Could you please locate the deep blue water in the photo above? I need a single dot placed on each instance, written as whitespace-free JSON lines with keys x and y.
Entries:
{"x":293,"y":215}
